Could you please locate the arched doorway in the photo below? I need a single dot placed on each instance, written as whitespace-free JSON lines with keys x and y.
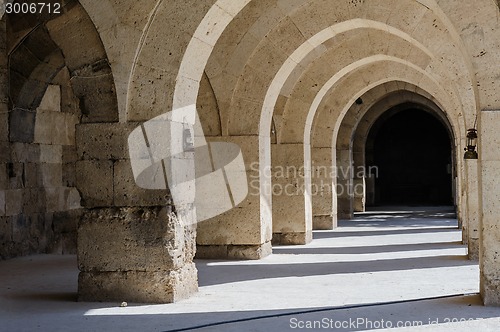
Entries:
{"x":412,"y":152}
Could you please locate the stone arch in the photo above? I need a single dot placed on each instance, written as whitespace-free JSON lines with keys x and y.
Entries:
{"x":358,"y":121}
{"x":226,"y":16}
{"x":193,"y":65}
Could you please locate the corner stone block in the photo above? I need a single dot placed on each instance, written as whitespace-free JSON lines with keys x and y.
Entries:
{"x":138,"y":286}
{"x":136,"y":255}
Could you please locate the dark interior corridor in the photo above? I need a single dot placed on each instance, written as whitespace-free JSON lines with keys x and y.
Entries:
{"x":412,"y":151}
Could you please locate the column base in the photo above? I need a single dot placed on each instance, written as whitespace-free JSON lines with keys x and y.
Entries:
{"x":490,"y":291}
{"x":324,"y":223}
{"x":138,"y":286}
{"x":240,"y":252}
{"x":285,"y":239}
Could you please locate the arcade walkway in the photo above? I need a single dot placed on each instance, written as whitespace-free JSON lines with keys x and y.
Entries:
{"x":382,"y":269}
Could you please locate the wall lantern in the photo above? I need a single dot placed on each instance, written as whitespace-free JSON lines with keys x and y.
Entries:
{"x":470,"y":151}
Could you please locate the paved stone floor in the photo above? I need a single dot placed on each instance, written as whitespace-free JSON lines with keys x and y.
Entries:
{"x":381,"y":270}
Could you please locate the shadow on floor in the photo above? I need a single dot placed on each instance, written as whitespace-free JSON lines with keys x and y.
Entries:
{"x":356,"y":318}
{"x":367,"y":249}
{"x":209,"y":274}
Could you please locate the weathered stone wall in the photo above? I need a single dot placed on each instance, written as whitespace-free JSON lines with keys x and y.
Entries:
{"x":56,"y":75}
{"x":40,"y":206}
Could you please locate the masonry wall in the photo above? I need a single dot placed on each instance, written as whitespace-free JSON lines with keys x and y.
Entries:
{"x":54,"y":75}
{"x":39,"y":204}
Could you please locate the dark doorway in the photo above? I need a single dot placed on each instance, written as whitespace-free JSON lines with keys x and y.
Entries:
{"x":412,"y":150}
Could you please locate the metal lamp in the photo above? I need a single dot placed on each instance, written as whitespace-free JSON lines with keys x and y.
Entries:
{"x":470,"y":151}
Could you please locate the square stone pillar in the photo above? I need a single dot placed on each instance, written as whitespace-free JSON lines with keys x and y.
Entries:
{"x":142,"y":254}
{"x":345,"y":196}
{"x":324,"y":198}
{"x":131,"y":245}
{"x":244,"y":232}
{"x":489,"y":154}
{"x":359,"y":181}
{"x":359,"y":191}
{"x":472,"y":225}
{"x":292,"y":216}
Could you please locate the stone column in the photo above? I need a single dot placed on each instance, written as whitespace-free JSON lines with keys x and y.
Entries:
{"x":324,"y":198}
{"x":132,"y":245}
{"x":345,"y":184}
{"x":473,"y":212}
{"x":489,"y":260}
{"x":359,"y":182}
{"x":292,"y":222}
{"x":245,"y":231}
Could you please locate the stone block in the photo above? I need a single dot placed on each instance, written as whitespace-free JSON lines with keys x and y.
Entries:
{"x":240,"y":225}
{"x":156,"y":98}
{"x":4,"y":152}
{"x":164,"y":286}
{"x":13,"y":202}
{"x":104,"y":141}
{"x":72,"y":199}
{"x":5,"y":231}
{"x":249,"y":252}
{"x":51,"y":154}
{"x":15,"y":172}
{"x":69,"y":174}
{"x":69,"y":154}
{"x":33,"y":201}
{"x":51,"y":100}
{"x":131,"y":239}
{"x":55,"y":128}
{"x":344,"y":209}
{"x":69,"y":102}
{"x":295,"y":238}
{"x":489,"y":137}
{"x":22,"y":126}
{"x":127,"y":193}
{"x":490,"y":290}
{"x":20,"y":229}
{"x":51,"y":175}
{"x":75,"y":23}
{"x":25,"y":153}
{"x":323,"y":222}
{"x":32,"y":175}
{"x":36,"y":223}
{"x":211,"y":252}
{"x":97,"y":96}
{"x":54,"y":199}
{"x":94,"y":180}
